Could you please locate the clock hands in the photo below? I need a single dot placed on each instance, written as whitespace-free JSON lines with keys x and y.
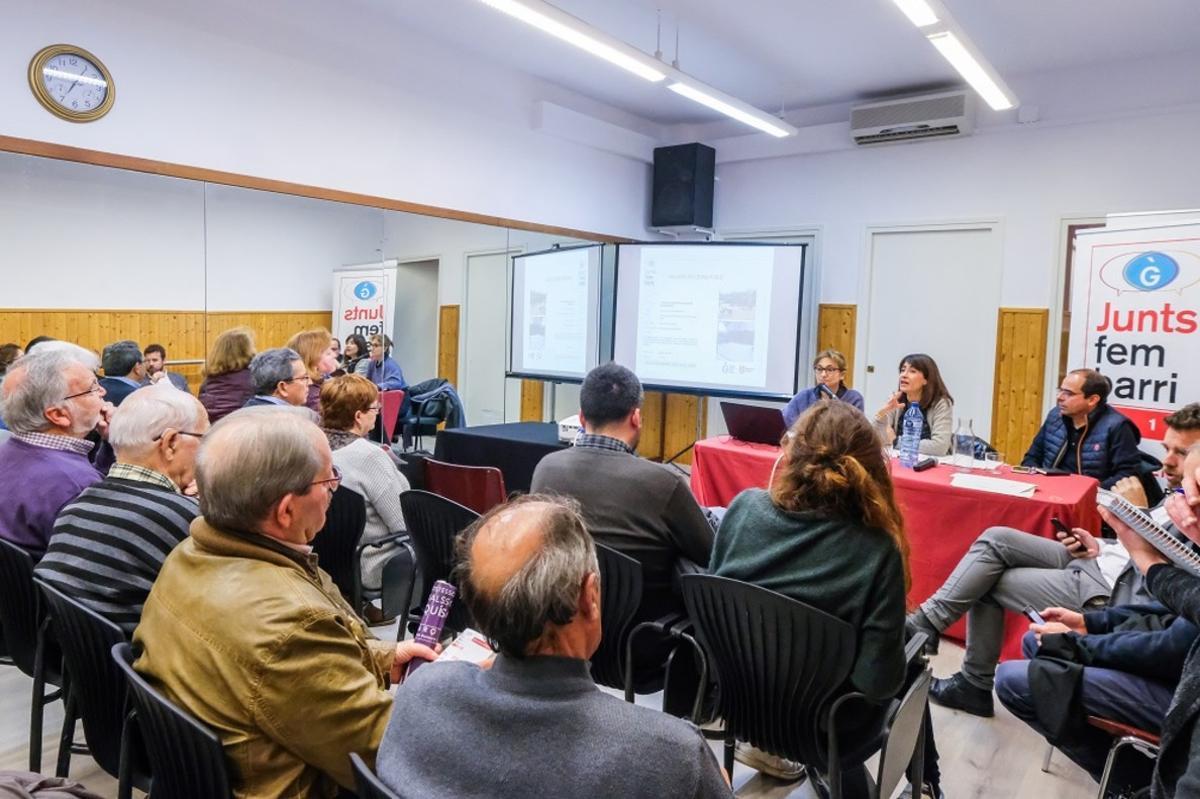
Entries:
{"x":76,"y":83}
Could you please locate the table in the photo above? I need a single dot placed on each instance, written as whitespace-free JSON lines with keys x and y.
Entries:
{"x":941,"y":520}
{"x":513,"y":448}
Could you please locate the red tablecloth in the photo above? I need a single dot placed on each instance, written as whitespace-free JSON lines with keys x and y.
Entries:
{"x":941,"y":520}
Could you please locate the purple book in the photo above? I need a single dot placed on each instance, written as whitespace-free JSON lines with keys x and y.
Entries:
{"x":437,"y":609}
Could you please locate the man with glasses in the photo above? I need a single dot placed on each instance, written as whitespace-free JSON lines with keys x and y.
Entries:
{"x":51,"y":401}
{"x":1007,"y":568}
{"x":247,"y":633}
{"x":110,"y":541}
{"x":279,"y":378}
{"x":1082,"y":434}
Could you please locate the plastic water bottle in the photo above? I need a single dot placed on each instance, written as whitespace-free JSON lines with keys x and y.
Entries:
{"x":964,"y":446}
{"x":910,"y":435}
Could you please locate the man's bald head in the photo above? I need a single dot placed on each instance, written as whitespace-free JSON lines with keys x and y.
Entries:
{"x":522,"y":570}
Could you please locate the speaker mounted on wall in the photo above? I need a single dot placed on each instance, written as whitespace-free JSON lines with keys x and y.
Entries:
{"x":683,"y":186}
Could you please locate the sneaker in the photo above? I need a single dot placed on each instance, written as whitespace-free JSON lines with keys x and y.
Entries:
{"x":955,"y":692}
{"x":918,"y":622}
{"x":778,"y":767}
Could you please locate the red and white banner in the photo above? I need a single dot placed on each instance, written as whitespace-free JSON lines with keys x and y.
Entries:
{"x":364,"y":300}
{"x":1135,"y":314}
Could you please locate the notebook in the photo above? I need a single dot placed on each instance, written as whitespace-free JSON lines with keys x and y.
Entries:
{"x":1176,"y":551}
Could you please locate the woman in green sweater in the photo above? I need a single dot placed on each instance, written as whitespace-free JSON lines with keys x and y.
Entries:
{"x":829,"y":534}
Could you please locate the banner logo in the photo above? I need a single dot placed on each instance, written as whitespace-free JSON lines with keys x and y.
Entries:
{"x":365,"y":290}
{"x":1150,"y":271}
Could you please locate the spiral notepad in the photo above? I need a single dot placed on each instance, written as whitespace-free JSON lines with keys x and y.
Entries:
{"x":1176,"y":551}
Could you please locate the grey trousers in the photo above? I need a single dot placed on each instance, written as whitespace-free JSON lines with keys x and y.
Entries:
{"x":1008,"y":569}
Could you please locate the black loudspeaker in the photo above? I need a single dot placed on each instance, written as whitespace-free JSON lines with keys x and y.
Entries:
{"x":683,"y":186}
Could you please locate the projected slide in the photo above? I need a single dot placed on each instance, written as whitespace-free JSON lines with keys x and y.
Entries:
{"x":554,"y":312}
{"x":710,"y":316}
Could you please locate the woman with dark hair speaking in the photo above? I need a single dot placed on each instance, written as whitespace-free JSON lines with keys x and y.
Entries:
{"x":828,"y":533}
{"x":920,"y":382}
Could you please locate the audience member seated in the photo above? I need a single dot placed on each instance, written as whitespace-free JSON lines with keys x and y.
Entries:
{"x":534,"y":724}
{"x":1121,"y":663}
{"x":640,"y":508}
{"x":123,"y":370}
{"x":227,"y":385}
{"x":8,"y":354}
{"x":1082,"y":434}
{"x":109,"y":543}
{"x":1010,"y":569}
{"x":316,"y":349}
{"x":243,"y":629}
{"x":349,"y":408}
{"x":155,"y":359}
{"x":830,"y":369}
{"x":828,"y":533}
{"x":381,"y":369}
{"x":279,"y":378}
{"x":50,"y":400}
{"x":357,"y":355}
{"x":920,"y":382}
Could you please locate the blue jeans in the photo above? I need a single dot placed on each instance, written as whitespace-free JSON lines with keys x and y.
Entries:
{"x":1110,"y":694}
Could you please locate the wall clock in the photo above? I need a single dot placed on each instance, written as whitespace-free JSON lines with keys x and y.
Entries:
{"x":71,"y":83}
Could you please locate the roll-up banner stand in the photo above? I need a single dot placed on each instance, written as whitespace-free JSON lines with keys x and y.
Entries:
{"x":364,"y":299}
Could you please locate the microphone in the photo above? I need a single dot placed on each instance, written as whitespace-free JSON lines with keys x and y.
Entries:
{"x":828,"y":391}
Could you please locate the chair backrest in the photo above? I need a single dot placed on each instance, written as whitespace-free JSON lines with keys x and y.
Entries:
{"x":620,"y":596}
{"x":366,"y":784}
{"x":901,"y":734}
{"x":20,"y":611}
{"x":434,"y":523}
{"x":187,"y":760}
{"x":337,"y":541}
{"x":778,"y":663}
{"x":97,"y":685}
{"x":479,"y":488}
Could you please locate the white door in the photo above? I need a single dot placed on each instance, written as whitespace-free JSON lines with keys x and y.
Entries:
{"x":935,"y":291}
{"x":487,"y":396}
{"x":415,"y":326}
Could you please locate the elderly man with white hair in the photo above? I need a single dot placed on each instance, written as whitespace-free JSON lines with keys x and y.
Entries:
{"x":109,"y":543}
{"x":50,"y":400}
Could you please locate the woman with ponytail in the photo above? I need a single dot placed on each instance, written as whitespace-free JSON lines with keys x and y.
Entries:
{"x":829,"y":534}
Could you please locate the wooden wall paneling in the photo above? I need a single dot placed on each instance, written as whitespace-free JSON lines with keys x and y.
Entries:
{"x":680,"y":424}
{"x":533,"y":397}
{"x":836,"y":329}
{"x":448,"y":328}
{"x":271,"y":328}
{"x":651,"y":444}
{"x":1017,"y":395}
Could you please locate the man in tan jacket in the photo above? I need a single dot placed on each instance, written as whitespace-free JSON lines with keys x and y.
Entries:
{"x":247,"y":633}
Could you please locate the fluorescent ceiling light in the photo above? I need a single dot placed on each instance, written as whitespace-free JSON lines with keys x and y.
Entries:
{"x":575,"y":31}
{"x":971,"y":70}
{"x":732,"y":107}
{"x":918,"y":12}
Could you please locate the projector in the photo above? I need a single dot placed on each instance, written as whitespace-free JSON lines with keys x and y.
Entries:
{"x":569,"y":428}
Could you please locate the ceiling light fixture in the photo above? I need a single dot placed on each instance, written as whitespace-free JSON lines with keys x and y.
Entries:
{"x":733,"y":108}
{"x":918,"y":12}
{"x":573,"y":30}
{"x":972,"y":70}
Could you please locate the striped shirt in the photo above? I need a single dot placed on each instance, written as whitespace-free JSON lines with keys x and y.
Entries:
{"x":109,"y":543}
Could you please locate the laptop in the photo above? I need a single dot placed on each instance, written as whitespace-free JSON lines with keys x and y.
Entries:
{"x":754,"y":423}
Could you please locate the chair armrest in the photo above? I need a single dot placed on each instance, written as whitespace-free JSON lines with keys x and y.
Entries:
{"x":391,"y":538}
{"x":915,"y":647}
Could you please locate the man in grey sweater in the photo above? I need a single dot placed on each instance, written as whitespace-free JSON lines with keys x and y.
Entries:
{"x":534,"y":724}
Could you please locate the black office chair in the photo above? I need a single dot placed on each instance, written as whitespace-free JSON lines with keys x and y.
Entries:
{"x":434,"y":523}
{"x":620,"y":596}
{"x":779,"y":663}
{"x":32,"y":648}
{"x":98,"y":693}
{"x":187,"y":760}
{"x":366,"y":784}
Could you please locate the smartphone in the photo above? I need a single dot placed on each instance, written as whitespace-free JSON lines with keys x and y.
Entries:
{"x":1059,"y":526}
{"x":924,"y":463}
{"x":1033,"y":615}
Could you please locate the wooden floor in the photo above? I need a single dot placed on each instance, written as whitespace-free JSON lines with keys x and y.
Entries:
{"x":998,"y":757}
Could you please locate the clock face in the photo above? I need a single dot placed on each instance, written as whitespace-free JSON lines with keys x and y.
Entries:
{"x":71,"y":83}
{"x":74,"y":82}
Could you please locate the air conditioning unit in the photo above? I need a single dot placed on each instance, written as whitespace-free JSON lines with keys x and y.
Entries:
{"x":926,"y":117}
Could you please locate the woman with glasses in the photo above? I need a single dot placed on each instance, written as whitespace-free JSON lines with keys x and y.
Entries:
{"x":349,"y":408}
{"x":830,"y":369}
{"x":316,"y":348}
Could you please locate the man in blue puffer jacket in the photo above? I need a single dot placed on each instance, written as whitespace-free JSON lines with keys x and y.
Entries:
{"x":1082,"y":434}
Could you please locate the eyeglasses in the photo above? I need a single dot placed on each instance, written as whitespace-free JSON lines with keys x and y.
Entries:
{"x":826,"y":370}
{"x":304,"y":378}
{"x":375,"y":408}
{"x":1066,"y":392}
{"x":95,"y":389}
{"x":180,"y":432}
{"x":331,"y":482}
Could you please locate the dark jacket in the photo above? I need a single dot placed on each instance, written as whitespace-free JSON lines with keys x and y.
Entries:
{"x":223,"y":394}
{"x":1156,"y":649}
{"x":1107,"y":449}
{"x":116,"y":389}
{"x":1177,"y":770}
